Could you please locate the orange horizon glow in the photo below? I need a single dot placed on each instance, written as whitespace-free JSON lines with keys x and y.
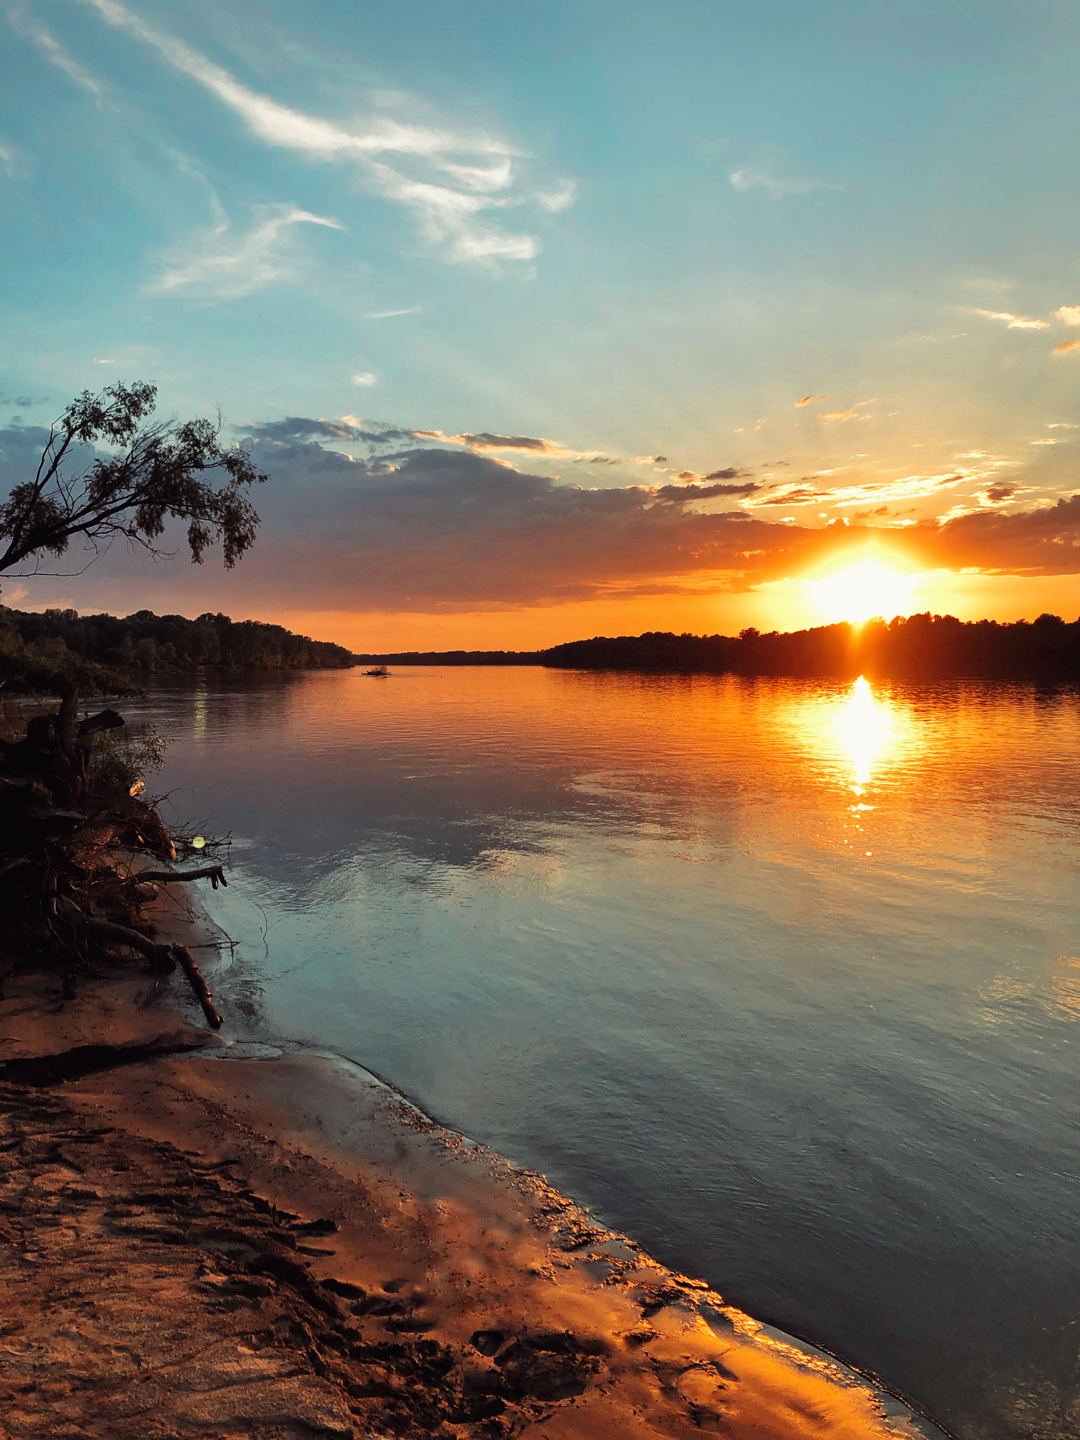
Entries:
{"x":781,"y":605}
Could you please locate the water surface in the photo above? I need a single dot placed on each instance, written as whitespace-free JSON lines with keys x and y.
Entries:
{"x":781,"y":977}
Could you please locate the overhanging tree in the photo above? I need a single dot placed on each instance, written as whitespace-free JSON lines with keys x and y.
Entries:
{"x":153,"y":472}
{"x":157,"y":472}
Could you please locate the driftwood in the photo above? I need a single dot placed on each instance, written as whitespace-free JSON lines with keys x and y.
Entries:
{"x":103,"y":720}
{"x":186,"y":961}
{"x":61,"y":895}
{"x":214,"y":873}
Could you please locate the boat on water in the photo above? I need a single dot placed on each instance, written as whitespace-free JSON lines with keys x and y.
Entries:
{"x":379,"y":672}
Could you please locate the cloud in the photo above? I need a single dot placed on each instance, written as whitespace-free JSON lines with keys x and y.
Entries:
{"x":683,"y":494}
{"x":224,"y":264}
{"x":807,"y":399}
{"x":1069,"y":313}
{"x":10,"y":160}
{"x":54,"y":53}
{"x":388,"y":314}
{"x":524,"y":444}
{"x":748,"y":178}
{"x":97,"y":361}
{"x":464,"y":175}
{"x":998,"y":494}
{"x":843,"y":415}
{"x":792,"y":495}
{"x":365,"y":378}
{"x":1015,"y":322}
{"x":443,"y":530}
{"x":560,"y":199}
{"x":298,"y":430}
{"x":1066,"y":346}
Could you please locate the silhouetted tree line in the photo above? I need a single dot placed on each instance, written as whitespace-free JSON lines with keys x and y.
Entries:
{"x":146,"y":642}
{"x":456,"y":657}
{"x":920,"y":647}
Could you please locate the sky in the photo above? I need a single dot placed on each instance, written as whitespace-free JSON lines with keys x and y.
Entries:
{"x":554,"y":320}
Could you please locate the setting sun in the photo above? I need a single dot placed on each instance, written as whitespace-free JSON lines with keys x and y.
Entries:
{"x":861,"y":592}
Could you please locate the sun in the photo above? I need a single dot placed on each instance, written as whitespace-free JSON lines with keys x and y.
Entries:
{"x":861,"y":592}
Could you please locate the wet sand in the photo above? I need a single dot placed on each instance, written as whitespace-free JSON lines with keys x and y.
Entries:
{"x":254,"y":1241}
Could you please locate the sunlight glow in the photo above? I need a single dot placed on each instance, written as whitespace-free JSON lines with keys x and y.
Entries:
{"x":862,"y":592}
{"x":865,"y":728}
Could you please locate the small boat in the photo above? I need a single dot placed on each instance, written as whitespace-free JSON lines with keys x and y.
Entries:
{"x":380,"y":672}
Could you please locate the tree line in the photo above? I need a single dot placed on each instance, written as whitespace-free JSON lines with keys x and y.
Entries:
{"x":143,"y":643}
{"x":917,"y":647}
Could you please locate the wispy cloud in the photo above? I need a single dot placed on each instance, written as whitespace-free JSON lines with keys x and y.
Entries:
{"x":1015,"y":322}
{"x":559,"y":199}
{"x":807,"y":399}
{"x":364,"y":378}
{"x":468,"y":175}
{"x":843,"y":415}
{"x":749,"y":178}
{"x":54,"y":53}
{"x":10,"y":160}
{"x":98,"y":361}
{"x":224,"y":264}
{"x":1065,"y":347}
{"x":389,"y":314}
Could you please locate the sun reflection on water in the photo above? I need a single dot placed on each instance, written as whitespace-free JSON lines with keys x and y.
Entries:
{"x":865,"y":727}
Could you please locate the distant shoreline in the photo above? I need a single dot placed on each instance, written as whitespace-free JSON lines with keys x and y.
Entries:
{"x":918,"y":647}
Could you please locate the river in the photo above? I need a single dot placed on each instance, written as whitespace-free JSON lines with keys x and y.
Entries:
{"x":781,"y":977}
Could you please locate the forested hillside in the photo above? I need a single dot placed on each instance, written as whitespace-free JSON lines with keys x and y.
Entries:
{"x":147,"y":642}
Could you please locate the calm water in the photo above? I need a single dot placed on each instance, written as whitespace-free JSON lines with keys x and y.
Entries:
{"x":783,"y":978}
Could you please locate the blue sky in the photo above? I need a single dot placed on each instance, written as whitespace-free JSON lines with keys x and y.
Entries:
{"x":630,"y":231}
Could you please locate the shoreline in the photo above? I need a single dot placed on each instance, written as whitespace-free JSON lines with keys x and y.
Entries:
{"x":367,"y":1271}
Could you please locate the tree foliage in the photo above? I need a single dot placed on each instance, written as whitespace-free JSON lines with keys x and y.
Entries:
{"x":157,"y":471}
{"x":143,"y":643}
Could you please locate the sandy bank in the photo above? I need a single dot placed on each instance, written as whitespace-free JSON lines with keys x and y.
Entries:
{"x":251,"y":1242}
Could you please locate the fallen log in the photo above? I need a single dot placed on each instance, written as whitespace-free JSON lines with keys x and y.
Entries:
{"x":103,"y":720}
{"x":186,"y":961}
{"x":213,"y":873}
{"x":110,"y":933}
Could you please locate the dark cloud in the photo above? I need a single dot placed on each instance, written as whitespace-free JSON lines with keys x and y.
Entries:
{"x":1043,"y":541}
{"x":438,"y":530}
{"x":683,"y":494}
{"x":866,"y":514}
{"x":299,"y":430}
{"x":533,"y":444}
{"x":20,"y":451}
{"x":729,"y":474}
{"x":659,"y":459}
{"x":802,"y":495}
{"x":995,"y":494}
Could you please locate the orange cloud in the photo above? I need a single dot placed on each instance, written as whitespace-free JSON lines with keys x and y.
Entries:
{"x":1066,"y":346}
{"x":807,"y":398}
{"x":1015,"y":322}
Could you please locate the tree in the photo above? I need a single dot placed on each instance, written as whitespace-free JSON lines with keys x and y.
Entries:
{"x":158,"y":472}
